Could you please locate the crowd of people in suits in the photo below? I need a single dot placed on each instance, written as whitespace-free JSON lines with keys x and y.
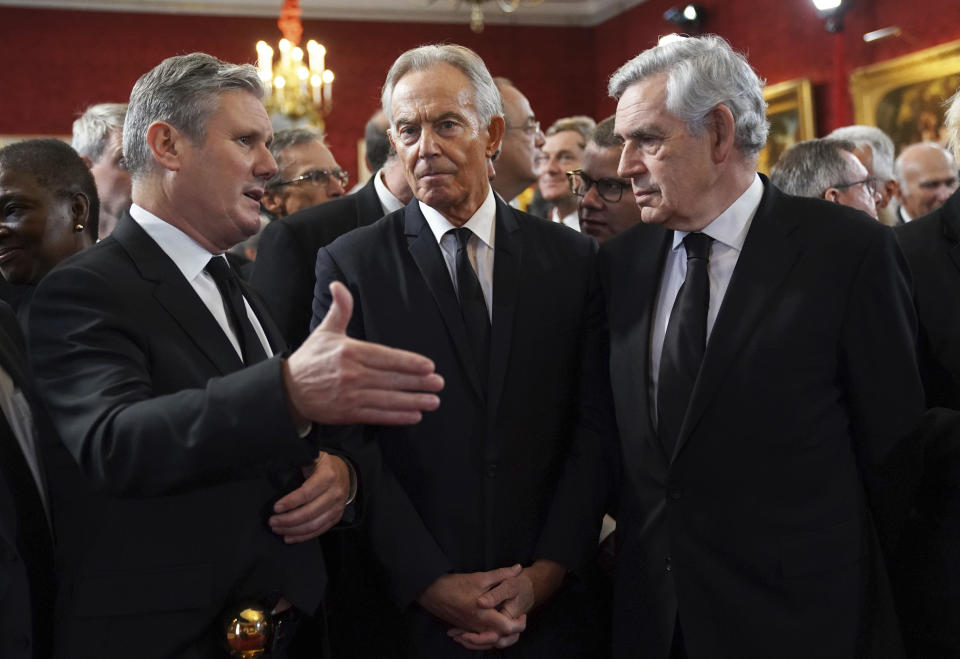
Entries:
{"x":245,"y":409}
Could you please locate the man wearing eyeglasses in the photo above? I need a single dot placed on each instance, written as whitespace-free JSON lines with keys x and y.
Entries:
{"x":561,"y":153}
{"x":827,"y":168}
{"x":309,"y":174}
{"x":521,"y":141}
{"x":605,"y":210}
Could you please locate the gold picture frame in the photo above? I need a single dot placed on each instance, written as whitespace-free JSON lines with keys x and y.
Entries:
{"x":904,"y":96}
{"x":790,"y":113}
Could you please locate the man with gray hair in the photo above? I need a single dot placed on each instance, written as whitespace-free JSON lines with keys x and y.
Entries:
{"x":307,"y":175}
{"x":928,"y":565}
{"x":98,"y":138}
{"x":463,"y":527}
{"x":190,"y":482}
{"x":562,"y":152}
{"x":874,"y":149}
{"x":827,"y":169}
{"x":926,"y":177}
{"x":763,"y":419}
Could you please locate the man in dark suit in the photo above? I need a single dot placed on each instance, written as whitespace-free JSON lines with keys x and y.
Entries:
{"x":764,"y":419}
{"x":189,"y":478}
{"x":283,"y":272}
{"x":928,"y":563}
{"x":506,"y":305}
{"x":27,"y":583}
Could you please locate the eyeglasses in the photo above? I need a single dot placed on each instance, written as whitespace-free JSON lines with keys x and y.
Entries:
{"x":609,"y":189}
{"x":530,"y":127}
{"x":870,"y":184}
{"x":318,"y":176}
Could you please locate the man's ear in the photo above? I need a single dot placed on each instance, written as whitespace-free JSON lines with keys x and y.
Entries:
{"x":272,"y":200}
{"x":86,"y":161}
{"x":721,"y":128}
{"x":832,"y":194}
{"x":495,"y":132}
{"x":166,"y":144}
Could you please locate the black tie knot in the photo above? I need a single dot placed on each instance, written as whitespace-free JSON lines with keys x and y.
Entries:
{"x":220,"y":270}
{"x":463,"y":236}
{"x":697,"y":246}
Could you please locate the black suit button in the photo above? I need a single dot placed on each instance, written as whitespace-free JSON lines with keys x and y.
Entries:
{"x":669,"y":567}
{"x":675,"y":495}
{"x":492,"y":470}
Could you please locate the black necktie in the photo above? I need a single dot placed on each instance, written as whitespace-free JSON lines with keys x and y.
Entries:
{"x":684,"y":342}
{"x":226,"y":281}
{"x":472,"y":305}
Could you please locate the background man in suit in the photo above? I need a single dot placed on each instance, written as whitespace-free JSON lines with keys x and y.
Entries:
{"x":506,"y":306}
{"x":763,"y":420}
{"x":307,"y":175}
{"x":193,"y":479}
{"x":27,"y":592}
{"x":928,"y":564}
{"x":827,"y":168}
{"x":874,"y":148}
{"x":522,"y":139}
{"x":284,"y":271}
{"x":98,"y":138}
{"x":926,"y":177}
{"x":562,"y":151}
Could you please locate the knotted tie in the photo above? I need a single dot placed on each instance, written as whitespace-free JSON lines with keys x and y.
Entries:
{"x":684,"y":342}
{"x":229,"y":287}
{"x":473,"y":307}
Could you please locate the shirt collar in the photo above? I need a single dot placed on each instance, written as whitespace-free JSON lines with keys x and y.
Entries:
{"x":481,"y":224}
{"x":731,"y":226}
{"x":388,"y":200}
{"x":189,"y":257}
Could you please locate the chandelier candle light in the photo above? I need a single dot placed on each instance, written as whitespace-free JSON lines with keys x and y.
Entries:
{"x":297,"y":89}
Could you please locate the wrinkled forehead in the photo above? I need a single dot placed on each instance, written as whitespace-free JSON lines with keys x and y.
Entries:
{"x":431,"y":93}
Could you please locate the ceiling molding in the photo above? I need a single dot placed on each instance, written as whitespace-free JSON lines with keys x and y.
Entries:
{"x":585,"y":13}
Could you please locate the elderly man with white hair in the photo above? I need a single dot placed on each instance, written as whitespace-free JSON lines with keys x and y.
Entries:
{"x":874,"y":149}
{"x":98,"y":138}
{"x":928,"y":571}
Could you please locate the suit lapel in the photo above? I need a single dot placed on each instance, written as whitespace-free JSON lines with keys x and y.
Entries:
{"x":277,"y":343}
{"x":369,"y":209}
{"x":767,"y":256}
{"x":426,"y":254}
{"x":950,"y":216}
{"x":506,"y":283}
{"x":176,"y":295}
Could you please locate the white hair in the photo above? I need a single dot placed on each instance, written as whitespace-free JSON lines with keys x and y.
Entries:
{"x":879,"y":142}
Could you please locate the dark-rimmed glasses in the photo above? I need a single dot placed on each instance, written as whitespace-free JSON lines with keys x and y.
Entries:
{"x":530,"y":127}
{"x":609,"y":189}
{"x":870,"y":184}
{"x":318,"y":176}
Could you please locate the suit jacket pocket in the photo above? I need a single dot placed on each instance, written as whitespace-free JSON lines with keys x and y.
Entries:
{"x":823,"y":550}
{"x":174,"y":588}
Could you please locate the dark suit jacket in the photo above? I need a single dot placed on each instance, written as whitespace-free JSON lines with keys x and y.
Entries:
{"x":758,"y":531}
{"x":172,"y":455}
{"x":928,"y":572}
{"x":471,"y":486}
{"x":26,"y":600}
{"x":283,"y":272}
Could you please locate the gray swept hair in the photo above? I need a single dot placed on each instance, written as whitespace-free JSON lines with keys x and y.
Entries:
{"x":702,"y":73}
{"x":182,"y":91}
{"x":284,"y":139}
{"x":809,"y":168}
{"x":487,"y":97}
{"x":951,"y":121}
{"x":92,"y":129}
{"x":879,"y":142}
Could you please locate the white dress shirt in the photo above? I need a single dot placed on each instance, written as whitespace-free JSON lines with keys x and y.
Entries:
{"x":191,"y":259}
{"x":728,"y":231}
{"x":572,"y":220}
{"x":387,"y":199}
{"x":479,"y":247}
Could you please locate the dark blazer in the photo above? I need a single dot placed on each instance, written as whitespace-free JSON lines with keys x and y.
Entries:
{"x":287,"y":252}
{"x":757,"y":532}
{"x":27,"y":584}
{"x":470,"y":487}
{"x":928,"y":565}
{"x":172,"y":455}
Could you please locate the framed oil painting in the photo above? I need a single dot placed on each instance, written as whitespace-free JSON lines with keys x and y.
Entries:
{"x":904,"y":96}
{"x":790,"y":113}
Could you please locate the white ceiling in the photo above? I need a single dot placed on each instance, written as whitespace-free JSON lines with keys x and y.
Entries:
{"x":550,"y":12}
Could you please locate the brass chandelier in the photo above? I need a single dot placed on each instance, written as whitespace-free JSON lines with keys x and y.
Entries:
{"x":476,"y":8}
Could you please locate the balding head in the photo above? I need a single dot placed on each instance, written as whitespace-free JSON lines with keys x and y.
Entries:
{"x":520,"y":142}
{"x":927,"y":176}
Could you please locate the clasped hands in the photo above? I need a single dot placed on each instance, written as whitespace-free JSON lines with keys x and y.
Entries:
{"x":489,"y":610}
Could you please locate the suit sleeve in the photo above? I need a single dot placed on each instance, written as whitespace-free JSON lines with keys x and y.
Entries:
{"x":130,"y":434}
{"x":400,"y":540}
{"x":283,"y":275}
{"x":882,"y":384}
